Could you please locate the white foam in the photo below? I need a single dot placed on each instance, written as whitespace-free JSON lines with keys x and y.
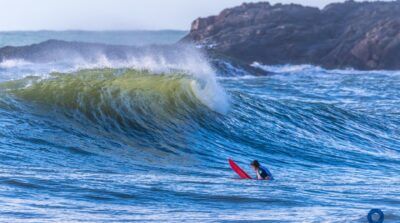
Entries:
{"x":285,"y":68}
{"x":11,"y":63}
{"x":288,"y":68}
{"x":212,"y":95}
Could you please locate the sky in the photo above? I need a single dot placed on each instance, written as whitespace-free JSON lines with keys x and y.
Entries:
{"x":115,"y":14}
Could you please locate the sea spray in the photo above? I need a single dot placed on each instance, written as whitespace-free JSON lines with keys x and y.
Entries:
{"x":183,"y":59}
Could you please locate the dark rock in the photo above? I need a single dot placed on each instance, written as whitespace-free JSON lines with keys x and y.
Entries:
{"x":361,"y":35}
{"x":57,"y":50}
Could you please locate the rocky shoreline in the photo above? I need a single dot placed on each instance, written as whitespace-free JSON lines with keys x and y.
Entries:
{"x":359,"y":35}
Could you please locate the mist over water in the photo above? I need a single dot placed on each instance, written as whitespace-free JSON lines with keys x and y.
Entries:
{"x":147,"y":138}
{"x":129,"y":38}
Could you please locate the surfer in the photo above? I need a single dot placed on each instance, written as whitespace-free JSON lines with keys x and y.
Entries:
{"x":262,"y":172}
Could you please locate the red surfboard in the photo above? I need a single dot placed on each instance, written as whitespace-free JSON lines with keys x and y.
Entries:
{"x":238,"y":170}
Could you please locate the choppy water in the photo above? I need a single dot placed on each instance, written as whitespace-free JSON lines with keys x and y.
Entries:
{"x":123,"y":144}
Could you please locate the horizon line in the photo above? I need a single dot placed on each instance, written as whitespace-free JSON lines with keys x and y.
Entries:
{"x":94,"y":30}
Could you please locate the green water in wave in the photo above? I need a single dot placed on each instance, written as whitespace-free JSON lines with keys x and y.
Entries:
{"x":117,"y":93}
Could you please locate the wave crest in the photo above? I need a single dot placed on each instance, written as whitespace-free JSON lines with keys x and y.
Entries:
{"x":127,"y":96}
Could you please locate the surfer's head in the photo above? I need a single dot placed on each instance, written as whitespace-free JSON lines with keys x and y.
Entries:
{"x":255,"y":164}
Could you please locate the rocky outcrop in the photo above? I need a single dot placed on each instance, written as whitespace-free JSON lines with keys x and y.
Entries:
{"x":58,"y":50}
{"x":361,"y":35}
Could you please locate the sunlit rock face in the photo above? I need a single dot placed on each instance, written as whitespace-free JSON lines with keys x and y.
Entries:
{"x":359,"y":35}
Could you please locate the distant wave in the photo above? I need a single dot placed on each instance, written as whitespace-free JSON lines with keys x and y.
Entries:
{"x":12,"y":63}
{"x":317,"y":70}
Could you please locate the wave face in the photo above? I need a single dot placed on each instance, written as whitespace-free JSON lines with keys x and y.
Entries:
{"x":147,"y":138}
{"x":116,"y":97}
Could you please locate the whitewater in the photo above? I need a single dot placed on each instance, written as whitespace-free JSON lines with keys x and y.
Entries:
{"x":146,"y":136}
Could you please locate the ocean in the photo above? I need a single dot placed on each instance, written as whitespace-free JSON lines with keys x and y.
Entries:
{"x":147,"y":138}
{"x":129,"y":38}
